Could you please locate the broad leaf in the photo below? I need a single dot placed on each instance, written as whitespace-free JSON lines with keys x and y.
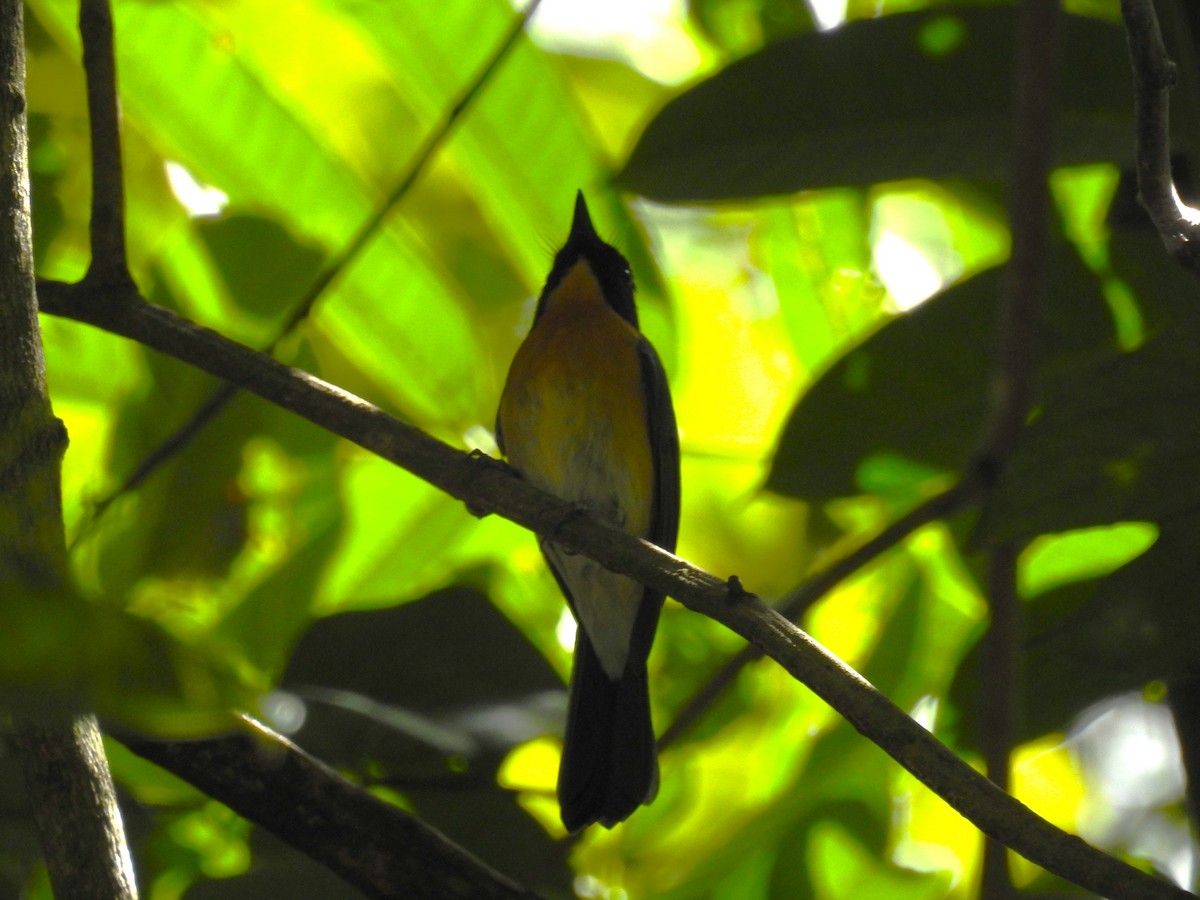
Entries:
{"x":920,"y":95}
{"x":915,"y":393}
{"x":1120,"y":441}
{"x":1090,"y":640}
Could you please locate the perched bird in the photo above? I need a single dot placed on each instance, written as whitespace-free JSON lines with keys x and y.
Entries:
{"x":586,"y":415}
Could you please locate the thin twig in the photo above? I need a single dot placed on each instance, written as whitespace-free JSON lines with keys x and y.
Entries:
{"x":107,"y":225}
{"x":1180,"y":34}
{"x":1000,"y":700}
{"x":1023,"y":285}
{"x":1153,"y":75}
{"x":1021,"y":298}
{"x":174,"y":443}
{"x":940,"y":506}
{"x":220,"y":398}
{"x":485,"y":485}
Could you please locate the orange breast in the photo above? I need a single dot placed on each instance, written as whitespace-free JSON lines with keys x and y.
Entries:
{"x":573,"y":411}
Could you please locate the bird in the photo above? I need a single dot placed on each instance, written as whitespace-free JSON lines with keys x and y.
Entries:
{"x":586,"y":415}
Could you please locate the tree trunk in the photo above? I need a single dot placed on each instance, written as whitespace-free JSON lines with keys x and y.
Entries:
{"x":70,"y":789}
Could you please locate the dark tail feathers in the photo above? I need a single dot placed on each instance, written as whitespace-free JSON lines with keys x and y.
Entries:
{"x":609,"y":764}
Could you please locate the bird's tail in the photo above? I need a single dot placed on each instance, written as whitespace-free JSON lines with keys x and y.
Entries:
{"x":609,"y":764}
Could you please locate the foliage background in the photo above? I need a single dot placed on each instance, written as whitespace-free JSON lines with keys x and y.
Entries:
{"x":422,"y":650}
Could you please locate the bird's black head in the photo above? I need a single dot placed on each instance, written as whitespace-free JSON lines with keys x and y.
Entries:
{"x":606,"y":262}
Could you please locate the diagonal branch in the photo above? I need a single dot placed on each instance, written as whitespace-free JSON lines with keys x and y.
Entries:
{"x":799,"y":601}
{"x":270,"y":781}
{"x":487,"y":486}
{"x":1153,"y":75}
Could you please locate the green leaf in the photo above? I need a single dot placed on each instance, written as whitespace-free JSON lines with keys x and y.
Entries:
{"x":402,"y":537}
{"x":1090,"y":640}
{"x":264,"y":267}
{"x":261,"y":629}
{"x":400,"y":693}
{"x":1054,"y":560}
{"x":740,"y":26}
{"x":844,"y":867}
{"x":1120,"y":441}
{"x":60,"y":653}
{"x":913,"y":396}
{"x":920,"y":95}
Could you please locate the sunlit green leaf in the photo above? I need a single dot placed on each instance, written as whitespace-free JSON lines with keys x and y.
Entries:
{"x":1052,"y":560}
{"x":843,"y":867}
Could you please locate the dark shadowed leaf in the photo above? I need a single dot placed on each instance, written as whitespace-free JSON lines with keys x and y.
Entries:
{"x":921,"y":95}
{"x":266,"y":270}
{"x":446,"y":659}
{"x":1168,"y":296}
{"x":428,"y":698}
{"x":1120,"y":441}
{"x":277,"y":871}
{"x":1090,"y":640}
{"x":916,"y":390}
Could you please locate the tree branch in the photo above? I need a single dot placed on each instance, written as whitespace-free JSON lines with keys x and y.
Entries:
{"x":376,"y":846}
{"x":1153,"y":75}
{"x":799,"y":601}
{"x":1023,"y":285}
{"x":107,"y":225}
{"x":487,"y":486}
{"x":74,"y":805}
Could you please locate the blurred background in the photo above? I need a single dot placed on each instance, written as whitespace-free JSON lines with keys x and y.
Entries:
{"x":813,"y":199}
